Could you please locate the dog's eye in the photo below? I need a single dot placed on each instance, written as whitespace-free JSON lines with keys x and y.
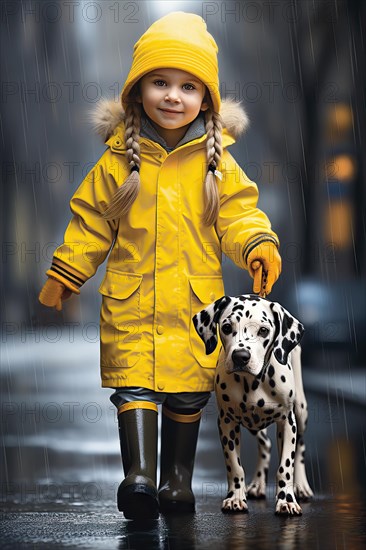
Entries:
{"x":226,"y":328}
{"x":263,"y":331}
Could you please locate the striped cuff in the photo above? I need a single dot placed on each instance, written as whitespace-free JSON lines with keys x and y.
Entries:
{"x":131,"y":405}
{"x":67,"y":275}
{"x":256,"y":241}
{"x":183,"y":418}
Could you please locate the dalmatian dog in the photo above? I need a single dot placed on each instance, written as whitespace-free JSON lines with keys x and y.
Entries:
{"x":258,"y":382}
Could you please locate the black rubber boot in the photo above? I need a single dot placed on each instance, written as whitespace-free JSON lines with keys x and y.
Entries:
{"x":137,"y":495}
{"x":179,"y":433}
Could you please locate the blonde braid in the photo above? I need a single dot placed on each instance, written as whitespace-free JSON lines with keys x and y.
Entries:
{"x":126,"y":193}
{"x":213,"y":153}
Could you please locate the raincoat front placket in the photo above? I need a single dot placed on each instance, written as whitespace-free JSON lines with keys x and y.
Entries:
{"x":167,"y":273}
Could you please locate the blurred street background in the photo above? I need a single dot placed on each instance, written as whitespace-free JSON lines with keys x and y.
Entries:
{"x":298,"y":67}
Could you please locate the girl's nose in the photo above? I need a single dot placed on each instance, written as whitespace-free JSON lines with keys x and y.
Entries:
{"x":172,"y":95}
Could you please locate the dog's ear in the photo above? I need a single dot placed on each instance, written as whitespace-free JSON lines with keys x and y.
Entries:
{"x":288,"y":334}
{"x":205,"y":322}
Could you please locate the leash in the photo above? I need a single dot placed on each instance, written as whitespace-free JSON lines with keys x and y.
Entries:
{"x":258,"y":268}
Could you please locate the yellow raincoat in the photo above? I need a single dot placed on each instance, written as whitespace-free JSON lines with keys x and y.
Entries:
{"x":164,"y":265}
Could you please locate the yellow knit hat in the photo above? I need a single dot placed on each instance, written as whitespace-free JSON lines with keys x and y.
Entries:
{"x":178,"y":40}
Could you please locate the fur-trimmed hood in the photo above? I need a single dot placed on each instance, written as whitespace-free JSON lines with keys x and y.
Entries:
{"x":108,"y":114}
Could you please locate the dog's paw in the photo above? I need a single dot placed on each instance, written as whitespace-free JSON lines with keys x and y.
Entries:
{"x":284,"y":508}
{"x":234,"y":505}
{"x":303,"y":490}
{"x":256,"y":490}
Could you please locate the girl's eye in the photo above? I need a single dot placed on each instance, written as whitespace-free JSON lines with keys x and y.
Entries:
{"x":263,"y":331}
{"x":162,"y":83}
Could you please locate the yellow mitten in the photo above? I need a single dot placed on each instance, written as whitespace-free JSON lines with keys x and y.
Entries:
{"x":53,"y":293}
{"x":264,"y":265}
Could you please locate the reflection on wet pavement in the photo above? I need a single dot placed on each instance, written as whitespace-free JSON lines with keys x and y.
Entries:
{"x":327,"y":522}
{"x":61,"y":468}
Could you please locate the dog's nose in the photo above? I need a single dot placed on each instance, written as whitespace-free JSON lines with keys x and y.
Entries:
{"x":240,"y":357}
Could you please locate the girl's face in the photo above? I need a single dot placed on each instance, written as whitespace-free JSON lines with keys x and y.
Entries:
{"x":171,"y":99}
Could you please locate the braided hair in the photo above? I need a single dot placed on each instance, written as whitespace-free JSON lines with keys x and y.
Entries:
{"x":126,"y":194}
{"x":213,"y":153}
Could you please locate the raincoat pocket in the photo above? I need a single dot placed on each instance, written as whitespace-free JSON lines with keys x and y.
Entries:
{"x":204,"y":290}
{"x":120,"y":320}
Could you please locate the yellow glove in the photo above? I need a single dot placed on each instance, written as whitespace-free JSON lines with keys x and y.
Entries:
{"x":264,"y":265}
{"x":53,"y":293}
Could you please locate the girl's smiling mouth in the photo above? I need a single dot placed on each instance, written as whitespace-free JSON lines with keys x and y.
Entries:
{"x":171,"y":111}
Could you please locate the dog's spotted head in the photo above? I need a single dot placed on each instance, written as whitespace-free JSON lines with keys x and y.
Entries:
{"x":251,"y":329}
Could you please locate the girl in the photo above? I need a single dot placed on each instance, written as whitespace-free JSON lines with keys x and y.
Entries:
{"x":164,"y":201}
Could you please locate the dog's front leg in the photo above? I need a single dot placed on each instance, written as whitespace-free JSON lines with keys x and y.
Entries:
{"x":235,"y":500}
{"x":302,"y":487}
{"x":286,"y":440}
{"x":257,"y":488}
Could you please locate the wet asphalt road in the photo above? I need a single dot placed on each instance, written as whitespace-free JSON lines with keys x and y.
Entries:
{"x":60,"y":466}
{"x":326,"y":523}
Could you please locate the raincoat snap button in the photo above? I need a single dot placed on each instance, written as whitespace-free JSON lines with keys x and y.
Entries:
{"x":160,"y":329}
{"x":117,"y":142}
{"x":111,"y":288}
{"x":212,"y":296}
{"x":161,"y":386}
